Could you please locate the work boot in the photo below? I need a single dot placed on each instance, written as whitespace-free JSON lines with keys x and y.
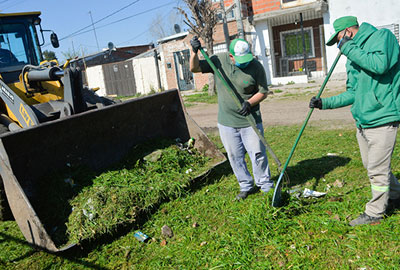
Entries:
{"x":393,"y":204}
{"x":365,"y":219}
{"x":243,"y":194}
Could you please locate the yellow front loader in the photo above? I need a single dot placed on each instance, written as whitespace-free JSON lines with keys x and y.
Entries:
{"x":49,"y":120}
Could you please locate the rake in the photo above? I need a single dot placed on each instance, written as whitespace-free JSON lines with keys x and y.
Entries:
{"x":277,"y":198}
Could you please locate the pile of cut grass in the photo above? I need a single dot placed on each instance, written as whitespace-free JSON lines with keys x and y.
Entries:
{"x":86,"y":205}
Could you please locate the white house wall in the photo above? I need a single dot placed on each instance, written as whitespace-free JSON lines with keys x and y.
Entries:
{"x":375,"y":12}
{"x":95,"y":78}
{"x":262,"y":48}
{"x":145,"y":72}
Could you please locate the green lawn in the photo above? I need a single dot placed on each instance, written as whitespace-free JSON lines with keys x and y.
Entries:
{"x":211,"y":231}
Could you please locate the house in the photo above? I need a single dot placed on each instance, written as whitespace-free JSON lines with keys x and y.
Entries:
{"x":281,"y":27}
{"x":276,"y":29}
{"x":111,"y":71}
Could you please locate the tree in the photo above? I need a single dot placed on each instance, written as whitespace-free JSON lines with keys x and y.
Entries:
{"x":204,"y":17}
{"x":70,"y":54}
{"x":49,"y":55}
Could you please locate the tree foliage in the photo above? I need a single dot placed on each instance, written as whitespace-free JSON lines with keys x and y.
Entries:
{"x":49,"y":55}
{"x":70,"y":54}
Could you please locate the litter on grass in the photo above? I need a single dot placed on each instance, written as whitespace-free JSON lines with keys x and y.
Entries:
{"x":141,"y":236}
{"x":306,"y":193}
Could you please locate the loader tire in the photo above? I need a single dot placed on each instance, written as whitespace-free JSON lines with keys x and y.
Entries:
{"x":5,"y":212}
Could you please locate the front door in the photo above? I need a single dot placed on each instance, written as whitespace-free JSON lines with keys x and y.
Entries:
{"x":184,"y":76}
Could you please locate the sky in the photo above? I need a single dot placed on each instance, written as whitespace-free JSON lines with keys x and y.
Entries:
{"x":122,"y":22}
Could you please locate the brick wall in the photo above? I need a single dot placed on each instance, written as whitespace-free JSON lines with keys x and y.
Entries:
{"x":261,"y":6}
{"x":253,"y":7}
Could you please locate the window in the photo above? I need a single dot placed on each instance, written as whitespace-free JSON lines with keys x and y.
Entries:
{"x":292,"y":44}
{"x":219,"y":48}
{"x":13,"y":44}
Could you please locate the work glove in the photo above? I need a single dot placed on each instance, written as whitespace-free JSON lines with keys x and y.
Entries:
{"x":316,"y":103}
{"x":196,"y":45}
{"x":246,"y":109}
{"x":343,"y":41}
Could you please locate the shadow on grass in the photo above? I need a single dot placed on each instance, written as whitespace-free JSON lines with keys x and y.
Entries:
{"x":61,"y":255}
{"x":317,"y":168}
{"x":306,"y":170}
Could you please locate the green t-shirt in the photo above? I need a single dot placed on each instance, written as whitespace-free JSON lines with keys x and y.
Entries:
{"x":245,"y":82}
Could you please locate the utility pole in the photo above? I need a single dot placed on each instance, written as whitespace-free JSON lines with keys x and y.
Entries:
{"x":238,"y":15}
{"x":225,"y":25}
{"x":156,"y":55}
{"x":73,"y":47}
{"x":94,"y":30}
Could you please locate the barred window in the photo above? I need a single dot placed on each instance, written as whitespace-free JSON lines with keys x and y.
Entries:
{"x":219,"y":48}
{"x":292,"y":44}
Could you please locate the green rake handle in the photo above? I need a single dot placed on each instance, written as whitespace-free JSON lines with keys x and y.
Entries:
{"x":276,"y":200}
{"x":249,"y":117}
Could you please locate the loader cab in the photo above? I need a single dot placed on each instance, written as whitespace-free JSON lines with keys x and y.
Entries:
{"x":19,"y":43}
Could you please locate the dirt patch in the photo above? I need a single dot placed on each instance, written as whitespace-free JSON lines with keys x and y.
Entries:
{"x":287,"y":105}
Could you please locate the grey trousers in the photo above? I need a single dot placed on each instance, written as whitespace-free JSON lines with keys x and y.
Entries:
{"x":376,"y":148}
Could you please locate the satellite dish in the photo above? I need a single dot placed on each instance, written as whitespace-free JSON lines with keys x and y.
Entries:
{"x":177,"y":28}
{"x":111,"y":46}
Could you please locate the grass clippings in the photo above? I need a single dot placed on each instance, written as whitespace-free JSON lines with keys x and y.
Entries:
{"x":84,"y":205}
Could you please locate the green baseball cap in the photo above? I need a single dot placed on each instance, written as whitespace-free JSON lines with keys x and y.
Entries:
{"x":240,"y":49}
{"x":341,"y":24}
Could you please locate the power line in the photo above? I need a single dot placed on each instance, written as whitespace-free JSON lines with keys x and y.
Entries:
{"x":102,"y":19}
{"x":12,"y":4}
{"x":102,"y":26}
{"x":145,"y":31}
{"x":142,"y":33}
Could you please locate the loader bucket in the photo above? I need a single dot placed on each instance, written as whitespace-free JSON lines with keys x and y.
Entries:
{"x":96,"y":139}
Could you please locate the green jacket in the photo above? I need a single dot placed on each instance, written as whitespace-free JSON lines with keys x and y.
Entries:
{"x":373,"y":78}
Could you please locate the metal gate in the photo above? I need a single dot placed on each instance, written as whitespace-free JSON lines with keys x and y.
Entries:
{"x":119,"y":79}
{"x":184,"y":76}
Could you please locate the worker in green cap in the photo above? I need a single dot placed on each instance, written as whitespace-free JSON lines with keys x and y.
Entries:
{"x":373,"y":91}
{"x":247,"y":78}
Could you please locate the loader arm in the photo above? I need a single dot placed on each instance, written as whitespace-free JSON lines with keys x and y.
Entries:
{"x":17,"y":107}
